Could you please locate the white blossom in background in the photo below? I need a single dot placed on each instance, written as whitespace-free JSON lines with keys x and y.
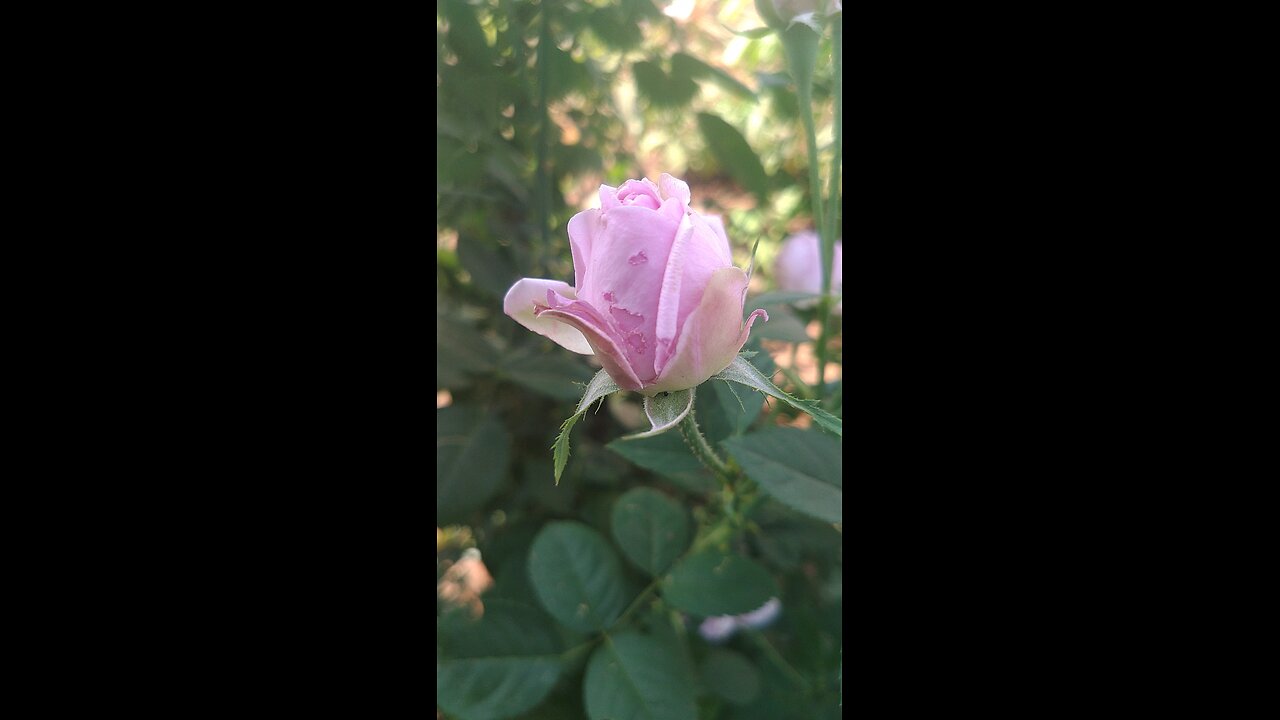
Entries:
{"x":720,"y":628}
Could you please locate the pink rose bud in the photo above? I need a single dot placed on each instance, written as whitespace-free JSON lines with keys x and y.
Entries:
{"x":762,"y":616}
{"x":655,"y":294}
{"x":799,"y":267}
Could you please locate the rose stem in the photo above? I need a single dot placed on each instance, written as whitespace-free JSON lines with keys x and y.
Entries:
{"x":804,"y":89}
{"x":833,"y":203}
{"x":541,"y":181}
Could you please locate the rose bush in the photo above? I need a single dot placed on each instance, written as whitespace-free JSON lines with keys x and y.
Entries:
{"x":655,"y":297}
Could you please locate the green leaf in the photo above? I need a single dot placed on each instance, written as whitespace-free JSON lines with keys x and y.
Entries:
{"x":466,"y":38}
{"x":733,"y":154}
{"x":730,"y":676}
{"x":783,"y":325}
{"x":490,"y":269}
{"x":632,"y":676}
{"x":689,"y":66}
{"x":663,"y":90}
{"x":600,"y":386}
{"x":472,"y":451}
{"x":577,"y":576}
{"x":651,"y":528}
{"x":800,"y":469}
{"x":560,"y":449}
{"x":460,"y":353}
{"x":556,"y":375}
{"x":800,"y":43}
{"x":712,"y":583}
{"x":665,"y":410}
{"x":615,"y":28}
{"x":576,"y":159}
{"x":769,"y":14}
{"x":668,"y":456}
{"x":753,"y":33}
{"x":742,"y":371}
{"x":564,"y":74}
{"x":725,"y":409}
{"x":498,"y":667}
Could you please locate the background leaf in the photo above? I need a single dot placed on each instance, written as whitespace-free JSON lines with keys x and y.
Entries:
{"x":490,"y":268}
{"x":801,"y":469}
{"x":783,"y":325}
{"x":693,"y":67}
{"x":661,"y":89}
{"x":497,"y":667}
{"x":651,"y":528}
{"x":712,"y":583}
{"x":460,"y":353}
{"x":577,"y":576}
{"x":668,"y":456}
{"x":733,"y":154}
{"x":556,"y":374}
{"x":472,"y":453}
{"x":632,"y":676}
{"x":730,"y":676}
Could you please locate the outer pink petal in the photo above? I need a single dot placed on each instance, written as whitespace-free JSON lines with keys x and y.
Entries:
{"x":604,"y":341}
{"x":608,"y":197}
{"x":697,"y":253}
{"x":584,"y":232}
{"x":520,"y":303}
{"x":712,"y":335}
{"x":721,"y":246}
{"x":669,"y":301}
{"x":624,"y":279}
{"x":674,"y":188}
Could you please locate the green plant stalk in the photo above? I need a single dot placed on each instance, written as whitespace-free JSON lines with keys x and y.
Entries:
{"x":701,"y":448}
{"x":540,"y":175}
{"x":804,"y":89}
{"x":780,"y":662}
{"x":635,"y":604}
{"x":833,"y":203}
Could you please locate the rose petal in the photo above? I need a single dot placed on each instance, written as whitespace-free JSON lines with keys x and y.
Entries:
{"x":584,"y":229}
{"x":608,"y":197}
{"x":712,"y":335}
{"x":624,"y":279}
{"x":669,"y":301}
{"x":696,"y":254}
{"x":721,"y":246}
{"x":640,"y":192}
{"x":674,"y":188}
{"x":521,"y":300}
{"x":604,"y":341}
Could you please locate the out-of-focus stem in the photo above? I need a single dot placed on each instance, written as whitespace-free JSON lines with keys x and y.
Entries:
{"x":804,"y":89}
{"x":833,"y":203}
{"x":541,"y":182}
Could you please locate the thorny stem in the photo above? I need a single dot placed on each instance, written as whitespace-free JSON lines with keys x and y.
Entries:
{"x":701,"y":448}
